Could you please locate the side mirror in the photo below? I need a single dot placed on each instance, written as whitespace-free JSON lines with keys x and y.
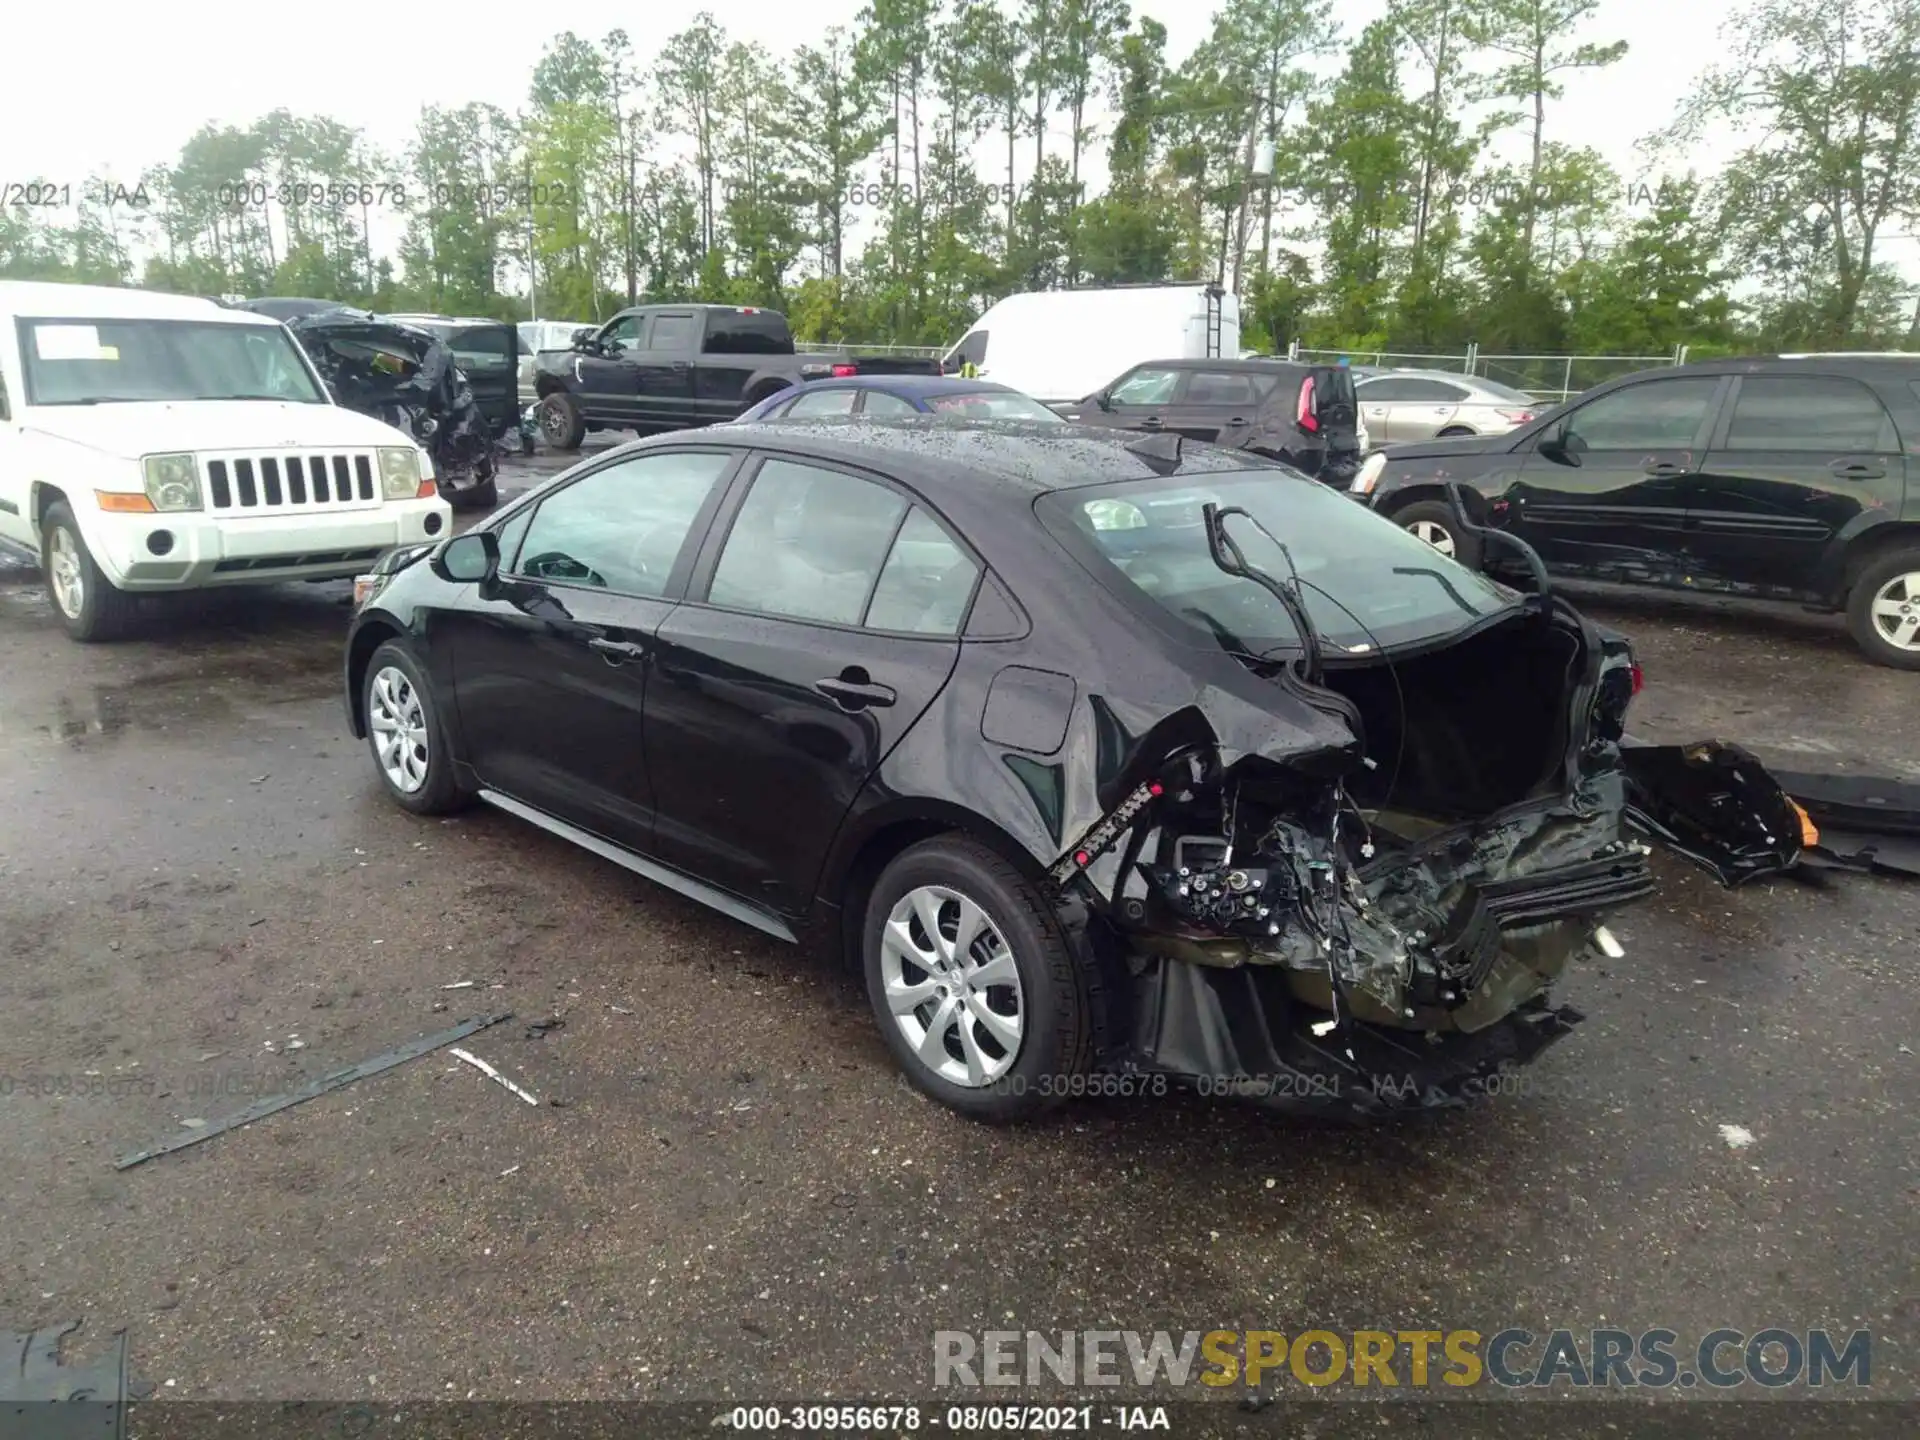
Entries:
{"x":474,"y":556}
{"x":1104,"y":399}
{"x":584,"y":342}
{"x":1553,"y":443}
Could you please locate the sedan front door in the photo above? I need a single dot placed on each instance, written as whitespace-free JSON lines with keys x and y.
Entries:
{"x":1139,"y":400}
{"x":1796,"y":460}
{"x":812,"y":639}
{"x":1605,"y":489}
{"x":551,"y":663}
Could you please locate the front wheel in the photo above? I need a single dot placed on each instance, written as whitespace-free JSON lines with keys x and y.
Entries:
{"x":86,"y":601}
{"x":404,"y":732}
{"x":976,"y":990}
{"x":1434,"y":522}
{"x":1883,"y":610}
{"x":562,"y":425}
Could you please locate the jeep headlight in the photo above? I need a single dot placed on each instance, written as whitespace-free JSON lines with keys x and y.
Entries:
{"x":173,"y":481}
{"x":400,"y":473}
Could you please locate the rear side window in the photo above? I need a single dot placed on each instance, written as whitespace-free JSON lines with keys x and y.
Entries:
{"x":808,"y":544}
{"x":879,"y":402}
{"x":1221,"y":387}
{"x":1659,"y":414}
{"x":1810,"y":413}
{"x":674,"y":332}
{"x":926,"y":584}
{"x":1436,"y":392}
{"x":822,"y":402}
{"x":747,"y":332}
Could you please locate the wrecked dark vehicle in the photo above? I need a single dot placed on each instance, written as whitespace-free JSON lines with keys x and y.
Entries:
{"x":1111,"y":764}
{"x":412,"y":380}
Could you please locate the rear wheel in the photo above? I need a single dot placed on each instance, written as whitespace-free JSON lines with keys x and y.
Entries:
{"x":1883,"y":610}
{"x":976,"y":991}
{"x":562,"y":425}
{"x":84,"y":599}
{"x":1434,"y":522}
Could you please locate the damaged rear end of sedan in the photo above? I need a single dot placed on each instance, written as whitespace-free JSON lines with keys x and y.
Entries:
{"x":1346,"y":876}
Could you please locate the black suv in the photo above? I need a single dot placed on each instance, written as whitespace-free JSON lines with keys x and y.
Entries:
{"x":1790,"y":477}
{"x":1304,"y":415}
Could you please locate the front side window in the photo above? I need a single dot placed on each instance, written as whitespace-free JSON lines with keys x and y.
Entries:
{"x":808,"y":544}
{"x":971,"y":351}
{"x":81,"y":362}
{"x":1146,"y":387}
{"x":1656,"y":415}
{"x":624,"y":333}
{"x":1826,"y":414}
{"x":1365,"y":581}
{"x":822,"y":402}
{"x":623,"y":527}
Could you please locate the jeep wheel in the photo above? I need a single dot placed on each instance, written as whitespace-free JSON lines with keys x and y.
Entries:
{"x":562,"y":425}
{"x":84,"y":599}
{"x":976,"y":990}
{"x":1883,"y":610}
{"x":1433,"y":521}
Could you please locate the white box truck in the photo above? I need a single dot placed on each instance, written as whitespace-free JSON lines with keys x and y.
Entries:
{"x":1062,"y":345}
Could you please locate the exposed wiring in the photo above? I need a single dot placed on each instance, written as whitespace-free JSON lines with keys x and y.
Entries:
{"x":1393,"y":673}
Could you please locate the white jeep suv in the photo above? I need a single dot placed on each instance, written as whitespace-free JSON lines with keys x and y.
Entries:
{"x":156,"y":442}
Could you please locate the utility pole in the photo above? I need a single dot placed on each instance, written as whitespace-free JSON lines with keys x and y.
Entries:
{"x":1246,"y":188}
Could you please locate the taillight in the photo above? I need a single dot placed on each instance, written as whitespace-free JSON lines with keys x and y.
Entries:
{"x":840,"y":372}
{"x":1305,"y":418}
{"x":1517,"y":417}
{"x":1639,"y":678}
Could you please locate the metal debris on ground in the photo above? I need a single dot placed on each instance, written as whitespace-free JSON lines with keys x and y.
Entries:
{"x":45,"y":1400}
{"x":459,"y":985}
{"x":485,"y":1069}
{"x":260,"y":1109}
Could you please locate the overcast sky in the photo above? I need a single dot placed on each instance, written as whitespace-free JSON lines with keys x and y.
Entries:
{"x":114,"y":90}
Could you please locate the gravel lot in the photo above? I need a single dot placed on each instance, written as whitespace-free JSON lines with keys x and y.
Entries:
{"x":725,"y":1194}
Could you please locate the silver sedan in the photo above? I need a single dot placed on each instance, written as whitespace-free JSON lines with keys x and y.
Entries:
{"x":1401,"y":405}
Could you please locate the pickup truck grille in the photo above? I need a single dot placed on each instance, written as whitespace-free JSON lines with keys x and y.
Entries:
{"x":291,"y":482}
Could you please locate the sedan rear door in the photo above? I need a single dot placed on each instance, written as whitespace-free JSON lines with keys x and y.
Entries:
{"x":1217,"y":405}
{"x":823,"y":619}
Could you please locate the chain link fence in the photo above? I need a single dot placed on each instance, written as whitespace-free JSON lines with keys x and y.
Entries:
{"x":1550,"y":378}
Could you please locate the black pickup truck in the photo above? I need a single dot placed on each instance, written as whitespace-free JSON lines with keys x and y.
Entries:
{"x":674,"y":367}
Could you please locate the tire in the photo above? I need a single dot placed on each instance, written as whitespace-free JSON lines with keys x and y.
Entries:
{"x":562,"y":425}
{"x":1453,"y":430}
{"x":86,"y":601}
{"x":1884,"y":607}
{"x":1052,"y":1005}
{"x":438,"y":790}
{"x":1432,"y":521}
{"x":483,"y":496}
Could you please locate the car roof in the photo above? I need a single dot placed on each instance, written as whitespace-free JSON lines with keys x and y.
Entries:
{"x":1017,"y":458}
{"x":50,"y":300}
{"x":1261,"y":365}
{"x":906,"y":385}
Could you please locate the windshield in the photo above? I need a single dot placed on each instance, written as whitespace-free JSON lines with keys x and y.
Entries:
{"x":95,"y":361}
{"x":992,"y":405}
{"x":1366,"y":582}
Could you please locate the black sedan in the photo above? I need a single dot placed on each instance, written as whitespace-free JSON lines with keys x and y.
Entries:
{"x":1098,"y":781}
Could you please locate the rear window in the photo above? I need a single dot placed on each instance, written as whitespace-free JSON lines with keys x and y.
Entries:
{"x":747,"y":332}
{"x":475,"y":347}
{"x":1366,"y":582}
